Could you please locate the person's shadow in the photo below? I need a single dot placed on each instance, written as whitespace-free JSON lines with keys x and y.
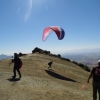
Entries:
{"x":13,"y":79}
{"x":56,"y":75}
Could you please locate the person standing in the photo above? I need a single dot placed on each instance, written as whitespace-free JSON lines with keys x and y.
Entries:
{"x":95,"y":73}
{"x":16,"y":66}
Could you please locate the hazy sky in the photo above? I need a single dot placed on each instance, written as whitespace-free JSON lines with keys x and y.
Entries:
{"x":22,"y":23}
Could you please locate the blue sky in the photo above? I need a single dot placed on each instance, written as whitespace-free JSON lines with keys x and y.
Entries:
{"x":22,"y":23}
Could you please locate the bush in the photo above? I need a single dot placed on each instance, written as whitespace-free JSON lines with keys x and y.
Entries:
{"x":75,"y":62}
{"x":20,"y":54}
{"x":81,"y":65}
{"x":87,"y":68}
{"x":65,"y":59}
{"x":59,"y":55}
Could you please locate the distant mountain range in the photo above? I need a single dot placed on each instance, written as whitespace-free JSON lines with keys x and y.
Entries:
{"x":87,"y":57}
{"x":4,"y":56}
{"x":96,"y":50}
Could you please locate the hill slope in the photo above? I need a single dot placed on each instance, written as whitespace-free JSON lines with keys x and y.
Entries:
{"x":63,"y":82}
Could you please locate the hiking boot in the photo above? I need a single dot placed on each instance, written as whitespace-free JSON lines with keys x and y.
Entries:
{"x":13,"y":77}
{"x":19,"y":76}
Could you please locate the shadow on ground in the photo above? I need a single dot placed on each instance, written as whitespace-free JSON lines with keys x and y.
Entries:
{"x":56,"y":75}
{"x":13,"y":79}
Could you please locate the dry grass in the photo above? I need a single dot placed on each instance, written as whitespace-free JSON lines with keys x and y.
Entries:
{"x":39,"y":83}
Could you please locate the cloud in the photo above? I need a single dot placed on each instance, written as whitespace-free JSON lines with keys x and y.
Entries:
{"x":28,"y":13}
{"x":37,"y":4}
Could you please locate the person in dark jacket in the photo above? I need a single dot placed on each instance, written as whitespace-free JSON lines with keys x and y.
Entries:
{"x":50,"y":63}
{"x":16,"y":66}
{"x":95,"y":73}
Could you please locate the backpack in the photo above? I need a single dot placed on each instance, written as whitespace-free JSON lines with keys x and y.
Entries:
{"x":49,"y":63}
{"x":19,"y":63}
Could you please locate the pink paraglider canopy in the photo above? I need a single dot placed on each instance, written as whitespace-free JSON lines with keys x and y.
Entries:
{"x":58,"y":30}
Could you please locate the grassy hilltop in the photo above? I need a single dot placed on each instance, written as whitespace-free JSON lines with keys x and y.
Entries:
{"x":63,"y":82}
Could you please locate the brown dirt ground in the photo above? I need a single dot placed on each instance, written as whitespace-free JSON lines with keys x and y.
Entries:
{"x":63,"y":82}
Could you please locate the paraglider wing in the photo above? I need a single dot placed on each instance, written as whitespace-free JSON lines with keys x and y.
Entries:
{"x":62,"y":34}
{"x":59,"y":32}
{"x":46,"y":33}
